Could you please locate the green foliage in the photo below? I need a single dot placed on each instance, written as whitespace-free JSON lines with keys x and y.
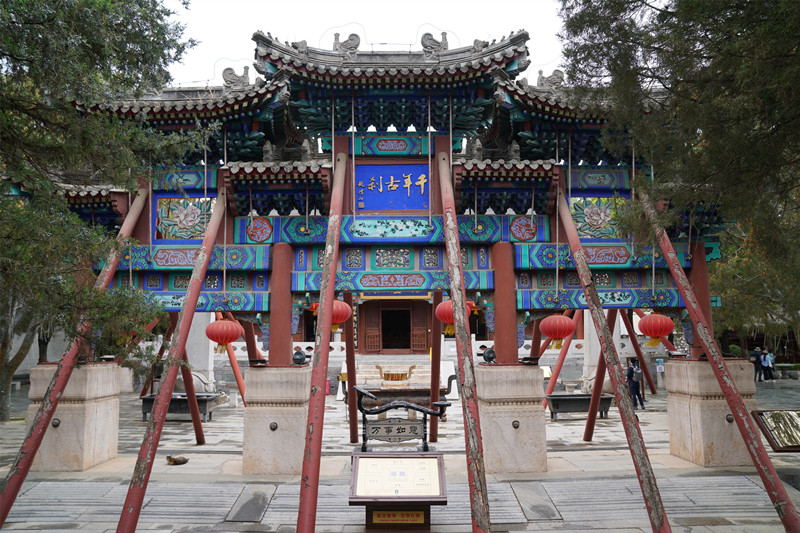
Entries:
{"x":706,"y":93}
{"x":62,"y":62}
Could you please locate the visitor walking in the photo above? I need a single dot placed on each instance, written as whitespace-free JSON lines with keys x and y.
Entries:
{"x":758,"y":370}
{"x":634,"y":383}
{"x":766,"y":364}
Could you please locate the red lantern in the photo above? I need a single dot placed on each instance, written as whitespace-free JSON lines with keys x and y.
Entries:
{"x":444,"y":312}
{"x":224,"y":332}
{"x":656,"y":326}
{"x":557,"y":327}
{"x":341,"y":312}
{"x":472,"y":306}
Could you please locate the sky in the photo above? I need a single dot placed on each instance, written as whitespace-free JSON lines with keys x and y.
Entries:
{"x":224,"y":29}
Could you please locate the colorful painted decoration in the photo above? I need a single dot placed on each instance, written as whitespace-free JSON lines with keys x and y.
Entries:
{"x":655,"y":326}
{"x":224,"y":332}
{"x":557,"y":327}
{"x":341,"y":312}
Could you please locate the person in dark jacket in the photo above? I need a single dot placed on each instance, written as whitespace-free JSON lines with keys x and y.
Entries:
{"x":758,"y":370}
{"x":634,"y":383}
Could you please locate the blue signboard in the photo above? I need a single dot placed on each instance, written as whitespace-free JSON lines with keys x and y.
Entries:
{"x":391,"y":187}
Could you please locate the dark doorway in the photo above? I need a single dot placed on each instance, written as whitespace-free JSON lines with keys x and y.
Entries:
{"x":396,"y":329}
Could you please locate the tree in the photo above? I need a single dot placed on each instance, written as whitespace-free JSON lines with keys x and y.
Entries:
{"x":708,"y":93}
{"x":60,"y":61}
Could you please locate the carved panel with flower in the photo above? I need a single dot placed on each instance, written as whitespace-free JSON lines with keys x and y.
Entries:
{"x":594,"y":217}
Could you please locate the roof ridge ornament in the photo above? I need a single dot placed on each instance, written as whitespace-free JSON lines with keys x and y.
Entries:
{"x":349,"y":47}
{"x":233,"y":83}
{"x":431,"y":48}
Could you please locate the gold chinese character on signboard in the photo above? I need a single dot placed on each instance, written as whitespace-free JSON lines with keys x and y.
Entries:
{"x":421,"y":181}
{"x":407,"y":183}
{"x":392,"y":185}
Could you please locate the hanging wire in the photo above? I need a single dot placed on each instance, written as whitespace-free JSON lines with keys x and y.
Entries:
{"x":653,"y":282}
{"x":150,"y":218}
{"x":130,"y":250}
{"x":558,"y":289}
{"x":569,"y":166}
{"x":430,"y":212}
{"x":450,"y":106}
{"x":307,"y":229}
{"x":475,"y":211}
{"x":333,"y":137}
{"x":225,"y":144}
{"x":353,"y":137}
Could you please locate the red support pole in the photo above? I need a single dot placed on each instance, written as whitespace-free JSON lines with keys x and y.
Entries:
{"x":173,"y":321}
{"x":644,"y":470}
{"x":350,"y":361}
{"x":237,"y":373}
{"x":22,"y":464}
{"x":280,"y":303}
{"x":536,"y":340}
{"x":599,"y":379}
{"x":638,"y":350}
{"x":309,"y":482}
{"x":750,"y":433}
{"x":562,"y":355}
{"x":147,"y":453}
{"x":505,"y":303}
{"x":191,"y":399}
{"x":476,"y":474}
{"x":436,"y":364}
{"x":698,"y":278}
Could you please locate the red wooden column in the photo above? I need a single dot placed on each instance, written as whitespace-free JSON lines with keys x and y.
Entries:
{"x":350,"y":361}
{"x":436,"y":364}
{"x":599,"y":379}
{"x":698,"y":277}
{"x":750,"y":433}
{"x":644,"y":470}
{"x":22,"y":464}
{"x":191,"y":399}
{"x":309,"y":482}
{"x":505,"y":303}
{"x":280,"y":305}
{"x":155,"y":424}
{"x":476,"y":472}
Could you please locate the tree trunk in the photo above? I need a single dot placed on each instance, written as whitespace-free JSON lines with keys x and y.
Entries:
{"x":5,"y":395}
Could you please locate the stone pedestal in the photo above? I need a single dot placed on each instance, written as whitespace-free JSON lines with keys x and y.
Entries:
{"x":85,"y":427}
{"x":512,"y":418}
{"x":697,"y":410}
{"x":275,"y":419}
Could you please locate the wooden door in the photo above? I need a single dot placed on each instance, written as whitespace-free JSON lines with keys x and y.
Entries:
{"x":370,"y":314}
{"x":419,"y":327}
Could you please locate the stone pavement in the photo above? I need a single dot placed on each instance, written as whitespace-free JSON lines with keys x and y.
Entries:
{"x":588,"y":486}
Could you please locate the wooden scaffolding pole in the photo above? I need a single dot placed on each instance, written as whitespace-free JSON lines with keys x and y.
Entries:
{"x":644,"y":470}
{"x":22,"y":464}
{"x":772,"y":483}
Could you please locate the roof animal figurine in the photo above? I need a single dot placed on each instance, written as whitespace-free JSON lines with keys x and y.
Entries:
{"x":349,"y":47}
{"x":233,"y":82}
{"x":554,"y":81}
{"x":478,"y":45}
{"x":302,"y":47}
{"x":431,"y":47}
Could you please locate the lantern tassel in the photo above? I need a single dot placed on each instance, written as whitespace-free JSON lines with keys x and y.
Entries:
{"x":558,"y":343}
{"x":220,"y":349}
{"x":450,"y":329}
{"x":654,"y":341}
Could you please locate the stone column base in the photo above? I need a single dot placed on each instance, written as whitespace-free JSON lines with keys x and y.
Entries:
{"x":512,"y":418}
{"x":84,"y":431}
{"x":696,"y":412}
{"x":275,"y":419}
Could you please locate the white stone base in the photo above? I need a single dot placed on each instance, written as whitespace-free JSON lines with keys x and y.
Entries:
{"x":696,"y":412}
{"x":511,"y":396}
{"x":279,"y":396}
{"x":87,"y":418}
{"x":125,"y":376}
